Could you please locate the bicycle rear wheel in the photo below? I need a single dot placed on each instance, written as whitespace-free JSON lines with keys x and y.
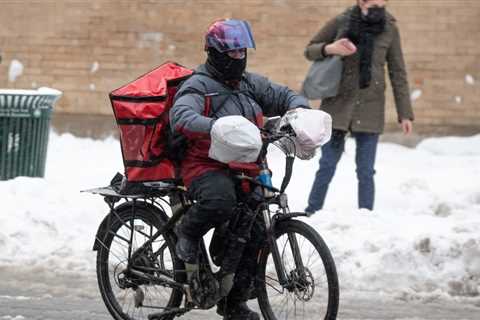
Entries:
{"x":130,"y":297}
{"x":312,"y":290}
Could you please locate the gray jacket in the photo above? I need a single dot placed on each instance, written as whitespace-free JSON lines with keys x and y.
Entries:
{"x":255,"y":97}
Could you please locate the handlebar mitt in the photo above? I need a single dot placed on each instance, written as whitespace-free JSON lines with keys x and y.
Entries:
{"x":313,"y":128}
{"x":234,"y":139}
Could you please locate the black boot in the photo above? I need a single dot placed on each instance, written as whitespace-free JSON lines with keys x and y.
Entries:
{"x":236,"y":311}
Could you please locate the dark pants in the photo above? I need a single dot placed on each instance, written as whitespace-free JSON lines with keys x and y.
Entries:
{"x":215,"y":197}
{"x":365,"y":161}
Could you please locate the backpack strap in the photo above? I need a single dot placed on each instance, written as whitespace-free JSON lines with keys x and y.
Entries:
{"x":227,"y":92}
{"x":208,"y":108}
{"x":208,"y":105}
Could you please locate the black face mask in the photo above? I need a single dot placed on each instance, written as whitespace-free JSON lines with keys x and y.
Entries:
{"x":224,"y":67}
{"x":375,"y":15}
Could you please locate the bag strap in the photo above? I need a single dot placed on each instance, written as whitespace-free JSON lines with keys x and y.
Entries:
{"x":208,"y":109}
{"x":208,"y":105}
{"x":227,"y":93}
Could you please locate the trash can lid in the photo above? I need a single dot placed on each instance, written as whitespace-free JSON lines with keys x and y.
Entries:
{"x":40,"y":91}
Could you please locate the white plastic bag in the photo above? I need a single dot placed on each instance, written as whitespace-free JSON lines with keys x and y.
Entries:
{"x":234,"y":139}
{"x":313,"y":128}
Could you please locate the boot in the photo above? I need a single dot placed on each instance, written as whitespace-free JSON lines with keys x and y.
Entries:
{"x":236,"y":311}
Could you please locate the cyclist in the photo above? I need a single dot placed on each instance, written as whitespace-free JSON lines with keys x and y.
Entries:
{"x":230,"y":90}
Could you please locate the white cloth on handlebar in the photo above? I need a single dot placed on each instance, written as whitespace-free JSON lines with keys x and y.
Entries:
{"x":234,"y":139}
{"x":313,"y":128}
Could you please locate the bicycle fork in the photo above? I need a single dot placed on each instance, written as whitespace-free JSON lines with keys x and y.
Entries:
{"x":283,"y":278}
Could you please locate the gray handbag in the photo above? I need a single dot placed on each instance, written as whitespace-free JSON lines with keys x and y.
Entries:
{"x":323,"y":78}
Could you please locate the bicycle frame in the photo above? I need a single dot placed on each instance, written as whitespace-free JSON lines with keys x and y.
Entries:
{"x":263,"y":209}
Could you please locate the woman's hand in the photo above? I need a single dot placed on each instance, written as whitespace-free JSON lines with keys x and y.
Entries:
{"x":407,"y":126}
{"x":342,"y":47}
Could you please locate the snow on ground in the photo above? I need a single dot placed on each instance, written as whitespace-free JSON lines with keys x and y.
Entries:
{"x":422,"y":240}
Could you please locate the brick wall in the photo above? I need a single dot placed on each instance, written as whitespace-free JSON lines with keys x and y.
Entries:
{"x":87,"y":48}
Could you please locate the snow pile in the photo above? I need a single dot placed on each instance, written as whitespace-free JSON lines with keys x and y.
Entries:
{"x":452,"y":146}
{"x":48,"y":221}
{"x":422,"y":240}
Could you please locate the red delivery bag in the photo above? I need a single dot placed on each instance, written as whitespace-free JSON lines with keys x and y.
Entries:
{"x":141,"y":110}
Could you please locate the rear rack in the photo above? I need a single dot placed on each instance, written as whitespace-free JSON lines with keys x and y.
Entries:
{"x":146,"y":190}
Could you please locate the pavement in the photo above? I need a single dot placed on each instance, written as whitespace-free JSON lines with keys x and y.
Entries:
{"x":39,"y":294}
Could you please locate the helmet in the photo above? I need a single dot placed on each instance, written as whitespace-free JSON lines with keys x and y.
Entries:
{"x":229,"y":34}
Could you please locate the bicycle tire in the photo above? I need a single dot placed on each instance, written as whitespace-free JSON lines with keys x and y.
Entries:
{"x":150,"y":216}
{"x":308,"y":233}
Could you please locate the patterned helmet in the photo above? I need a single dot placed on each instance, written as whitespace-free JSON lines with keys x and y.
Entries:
{"x":229,"y":34}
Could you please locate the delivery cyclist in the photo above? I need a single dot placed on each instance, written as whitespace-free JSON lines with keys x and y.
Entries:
{"x":230,"y":91}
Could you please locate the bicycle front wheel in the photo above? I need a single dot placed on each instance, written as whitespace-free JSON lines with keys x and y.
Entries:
{"x":311,"y":290}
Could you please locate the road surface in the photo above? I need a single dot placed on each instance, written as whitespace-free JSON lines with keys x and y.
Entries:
{"x":36,"y":293}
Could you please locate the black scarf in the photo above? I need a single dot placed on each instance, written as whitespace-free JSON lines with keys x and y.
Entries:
{"x":362,"y":31}
{"x":225,"y":68}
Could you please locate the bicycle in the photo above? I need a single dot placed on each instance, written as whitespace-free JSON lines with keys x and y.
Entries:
{"x":140,"y":276}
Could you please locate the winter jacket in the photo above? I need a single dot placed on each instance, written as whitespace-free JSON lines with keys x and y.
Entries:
{"x":363,"y":110}
{"x":255,"y":98}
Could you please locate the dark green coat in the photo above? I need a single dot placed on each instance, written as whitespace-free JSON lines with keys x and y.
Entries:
{"x":363,"y":110}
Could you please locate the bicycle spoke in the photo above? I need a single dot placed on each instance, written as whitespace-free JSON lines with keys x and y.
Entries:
{"x":272,"y":286}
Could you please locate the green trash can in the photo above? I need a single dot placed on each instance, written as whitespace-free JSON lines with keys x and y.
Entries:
{"x":24,"y":129}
